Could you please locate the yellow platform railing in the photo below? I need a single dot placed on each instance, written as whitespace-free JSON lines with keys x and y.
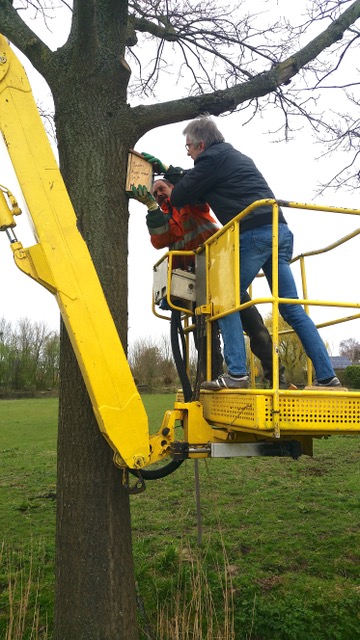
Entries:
{"x":221,"y":253}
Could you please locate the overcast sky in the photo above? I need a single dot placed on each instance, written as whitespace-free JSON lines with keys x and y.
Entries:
{"x":293,"y":170}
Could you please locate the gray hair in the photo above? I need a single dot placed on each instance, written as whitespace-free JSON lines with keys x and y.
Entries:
{"x":203,"y":129}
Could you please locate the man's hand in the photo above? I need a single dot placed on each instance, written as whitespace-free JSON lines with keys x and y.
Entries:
{"x":141,"y":194}
{"x":158,"y":166}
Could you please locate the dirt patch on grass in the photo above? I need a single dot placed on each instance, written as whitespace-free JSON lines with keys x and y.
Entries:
{"x":269,"y":583}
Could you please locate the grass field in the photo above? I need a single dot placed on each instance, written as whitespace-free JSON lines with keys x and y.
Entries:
{"x":279,"y":558}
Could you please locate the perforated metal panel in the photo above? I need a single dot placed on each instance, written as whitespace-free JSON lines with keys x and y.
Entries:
{"x":235,"y":410}
{"x":319,"y":413}
{"x":297,"y":413}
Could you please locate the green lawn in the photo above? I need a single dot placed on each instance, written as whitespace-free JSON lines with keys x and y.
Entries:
{"x":281,"y":538}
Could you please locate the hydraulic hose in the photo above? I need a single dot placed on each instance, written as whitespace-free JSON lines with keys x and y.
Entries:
{"x":176,"y":332}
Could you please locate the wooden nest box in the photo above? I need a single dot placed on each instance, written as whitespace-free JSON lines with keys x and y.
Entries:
{"x":139,"y":171}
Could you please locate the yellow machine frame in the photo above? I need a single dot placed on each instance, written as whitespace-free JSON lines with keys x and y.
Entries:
{"x":226,"y":423}
{"x":272,"y":412}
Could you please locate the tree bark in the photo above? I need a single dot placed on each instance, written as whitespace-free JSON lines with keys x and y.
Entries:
{"x":95,"y":592}
{"x":95,"y":587}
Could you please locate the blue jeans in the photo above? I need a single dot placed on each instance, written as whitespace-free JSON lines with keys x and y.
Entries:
{"x":256,"y":254}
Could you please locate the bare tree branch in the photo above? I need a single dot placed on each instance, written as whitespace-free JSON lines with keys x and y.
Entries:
{"x":23,"y":37}
{"x":209,"y":37}
{"x":224,"y":61}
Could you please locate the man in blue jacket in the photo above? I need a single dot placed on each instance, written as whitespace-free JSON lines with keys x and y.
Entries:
{"x":187,"y":228}
{"x":229,"y":181}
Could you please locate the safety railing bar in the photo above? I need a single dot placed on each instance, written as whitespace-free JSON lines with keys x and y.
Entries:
{"x":237,"y":265}
{"x":323,"y":391}
{"x":320,"y":303}
{"x":283,"y":203}
{"x":272,"y":202}
{"x":322,"y":325}
{"x":317,"y":252}
{"x":169,"y":254}
{"x":330,"y":247}
{"x":302,"y":301}
{"x":315,"y":207}
{"x":315,"y":303}
{"x":309,"y":364}
{"x":275,"y":318}
{"x":338,"y":321}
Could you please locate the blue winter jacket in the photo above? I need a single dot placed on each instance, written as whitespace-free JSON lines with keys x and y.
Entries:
{"x":228,"y":181}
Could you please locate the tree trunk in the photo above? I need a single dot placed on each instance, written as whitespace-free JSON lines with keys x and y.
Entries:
{"x":95,"y":586}
{"x":95,"y":592}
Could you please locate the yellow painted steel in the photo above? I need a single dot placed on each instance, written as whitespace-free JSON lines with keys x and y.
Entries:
{"x":299,"y":412}
{"x":61,"y":262}
{"x":223,"y":271}
{"x":8,"y":209}
{"x":245,"y":415}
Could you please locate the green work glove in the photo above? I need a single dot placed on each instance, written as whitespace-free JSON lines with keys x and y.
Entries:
{"x":158,"y":166}
{"x":141,"y":194}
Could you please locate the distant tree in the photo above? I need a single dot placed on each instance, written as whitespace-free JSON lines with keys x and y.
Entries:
{"x":50,"y":361}
{"x":6,"y":350}
{"x":29,"y":339}
{"x":168,"y":368}
{"x":352,"y":376}
{"x":144,"y":359}
{"x":291,"y":351}
{"x":351,"y":349}
{"x":29,"y":356}
{"x":152,"y":363}
{"x":24,"y":362}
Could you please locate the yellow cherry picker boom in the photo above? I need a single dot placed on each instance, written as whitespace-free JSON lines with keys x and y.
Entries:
{"x":213,"y":424}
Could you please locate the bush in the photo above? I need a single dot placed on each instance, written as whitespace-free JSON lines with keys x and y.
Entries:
{"x":352,"y":376}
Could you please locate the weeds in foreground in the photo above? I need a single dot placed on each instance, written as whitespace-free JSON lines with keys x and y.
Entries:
{"x":192,"y":611}
{"x":22,"y":588}
{"x":291,"y":531}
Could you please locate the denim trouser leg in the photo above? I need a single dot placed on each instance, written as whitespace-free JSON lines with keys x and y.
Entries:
{"x":255,"y":254}
{"x":234,"y":344}
{"x":294,"y":315}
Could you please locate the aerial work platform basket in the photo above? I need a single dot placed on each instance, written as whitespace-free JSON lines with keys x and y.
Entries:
{"x":247,"y":415}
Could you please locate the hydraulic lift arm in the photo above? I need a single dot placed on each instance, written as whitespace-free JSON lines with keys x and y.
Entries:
{"x":224,"y":424}
{"x":61,"y":262}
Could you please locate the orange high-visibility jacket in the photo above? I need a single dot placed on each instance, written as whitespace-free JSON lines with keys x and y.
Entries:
{"x":181,"y":229}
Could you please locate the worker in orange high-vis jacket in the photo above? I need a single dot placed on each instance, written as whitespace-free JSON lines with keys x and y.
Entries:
{"x":186,"y":229}
{"x":182,"y":229}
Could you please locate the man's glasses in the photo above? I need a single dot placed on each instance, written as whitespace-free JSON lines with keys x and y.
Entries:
{"x":188,"y":145}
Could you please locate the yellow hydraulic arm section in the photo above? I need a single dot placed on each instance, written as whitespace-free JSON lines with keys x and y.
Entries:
{"x":61,"y":262}
{"x":224,"y":424}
